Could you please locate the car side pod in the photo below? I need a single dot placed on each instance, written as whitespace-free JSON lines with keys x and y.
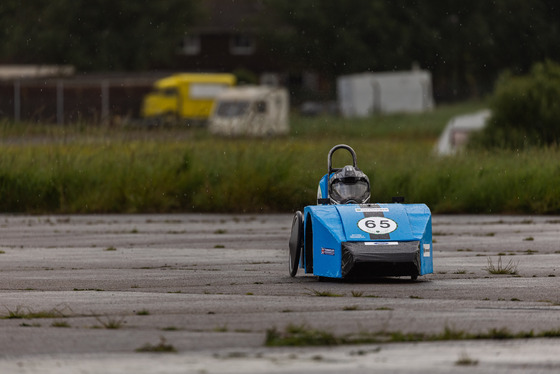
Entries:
{"x":362,"y":241}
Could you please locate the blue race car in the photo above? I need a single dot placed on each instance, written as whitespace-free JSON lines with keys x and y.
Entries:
{"x":345,"y":236}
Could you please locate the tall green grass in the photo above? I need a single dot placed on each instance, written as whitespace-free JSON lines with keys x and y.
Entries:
{"x":80,"y":169}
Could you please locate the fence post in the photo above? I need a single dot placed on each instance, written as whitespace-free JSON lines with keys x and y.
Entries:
{"x":17,"y":100}
{"x":104,"y":101}
{"x":59,"y":102}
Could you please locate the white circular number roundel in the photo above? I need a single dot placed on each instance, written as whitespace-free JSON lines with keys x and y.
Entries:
{"x":377,"y":225}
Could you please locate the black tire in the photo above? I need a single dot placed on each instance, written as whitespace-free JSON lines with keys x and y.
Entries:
{"x":296,"y":243}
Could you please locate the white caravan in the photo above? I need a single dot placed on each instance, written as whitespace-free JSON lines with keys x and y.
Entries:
{"x":250,"y":110}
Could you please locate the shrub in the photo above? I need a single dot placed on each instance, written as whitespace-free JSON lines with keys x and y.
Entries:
{"x":525,"y":110}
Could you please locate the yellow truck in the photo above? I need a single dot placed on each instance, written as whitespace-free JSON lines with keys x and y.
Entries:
{"x":186,"y":97}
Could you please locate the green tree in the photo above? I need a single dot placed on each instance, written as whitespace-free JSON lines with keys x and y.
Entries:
{"x":334,"y":37}
{"x":93,"y":35}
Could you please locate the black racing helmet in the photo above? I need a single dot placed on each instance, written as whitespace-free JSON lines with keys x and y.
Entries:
{"x":348,"y":185}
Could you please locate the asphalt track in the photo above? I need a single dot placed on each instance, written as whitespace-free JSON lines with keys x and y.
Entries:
{"x":210,"y":286}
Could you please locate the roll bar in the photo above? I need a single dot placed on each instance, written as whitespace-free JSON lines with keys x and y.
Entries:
{"x":335,"y":148}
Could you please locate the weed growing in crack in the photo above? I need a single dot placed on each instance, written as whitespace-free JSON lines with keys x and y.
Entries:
{"x":466,"y":360}
{"x":28,"y":313}
{"x":324,"y":293}
{"x":499,"y":268}
{"x":295,"y":335}
{"x":162,"y":347}
{"x":301,"y":335}
{"x":111,"y":323}
{"x":23,"y":324}
{"x":60,"y":324}
{"x":223,"y":328}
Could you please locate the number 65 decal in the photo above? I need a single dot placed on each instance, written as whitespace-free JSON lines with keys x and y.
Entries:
{"x":377,"y":225}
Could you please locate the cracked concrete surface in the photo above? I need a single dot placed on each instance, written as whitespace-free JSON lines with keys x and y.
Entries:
{"x":212,"y":285}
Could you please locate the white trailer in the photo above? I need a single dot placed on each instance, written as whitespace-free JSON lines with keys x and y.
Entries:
{"x":458,"y":131}
{"x":365,"y":94}
{"x":250,"y":111}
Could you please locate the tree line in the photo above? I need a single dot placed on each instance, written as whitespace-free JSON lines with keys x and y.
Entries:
{"x":101,"y":35}
{"x":465,"y":44}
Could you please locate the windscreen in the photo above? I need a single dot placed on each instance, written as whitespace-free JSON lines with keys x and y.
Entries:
{"x":169,"y":92}
{"x":232,"y":108}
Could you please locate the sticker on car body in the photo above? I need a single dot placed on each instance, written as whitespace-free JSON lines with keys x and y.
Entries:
{"x":371,"y":210}
{"x":377,"y":225}
{"x":327,"y":251}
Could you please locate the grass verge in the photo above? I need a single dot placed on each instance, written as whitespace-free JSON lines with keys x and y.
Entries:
{"x":77,"y":169}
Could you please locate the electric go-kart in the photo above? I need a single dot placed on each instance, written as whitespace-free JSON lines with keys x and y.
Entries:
{"x":344,"y":236}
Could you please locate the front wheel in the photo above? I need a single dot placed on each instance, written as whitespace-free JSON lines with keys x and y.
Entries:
{"x":296,"y":243}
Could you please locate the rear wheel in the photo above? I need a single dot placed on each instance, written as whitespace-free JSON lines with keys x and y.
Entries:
{"x":296,"y":243}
